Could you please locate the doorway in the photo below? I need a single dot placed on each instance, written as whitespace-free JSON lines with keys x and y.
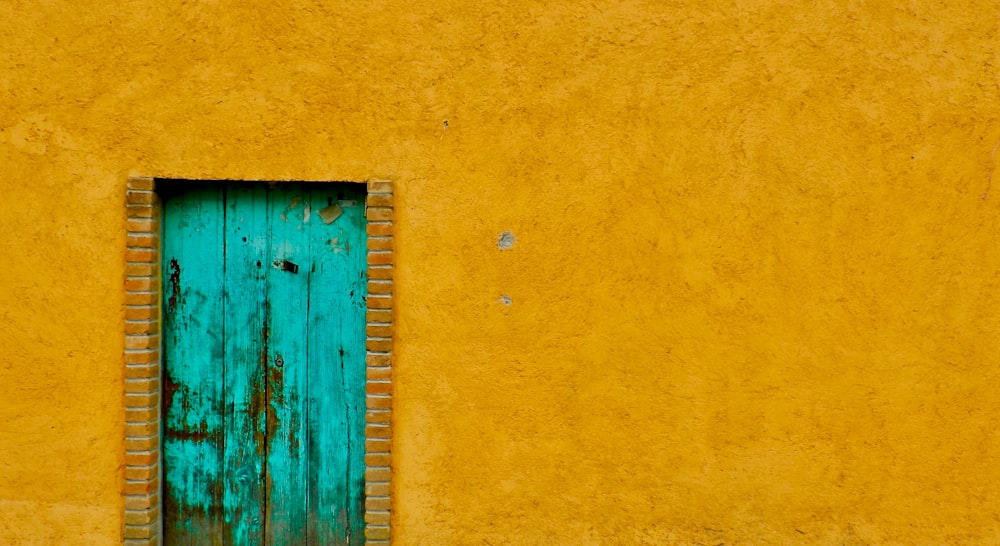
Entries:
{"x":263,"y":401}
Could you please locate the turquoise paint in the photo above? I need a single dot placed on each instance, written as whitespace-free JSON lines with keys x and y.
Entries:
{"x":336,"y":259}
{"x":246,"y":242}
{"x":264,"y":364}
{"x":193,"y":382}
{"x":289,"y":297}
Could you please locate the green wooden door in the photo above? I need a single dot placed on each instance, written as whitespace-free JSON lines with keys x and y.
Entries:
{"x":264,"y":353}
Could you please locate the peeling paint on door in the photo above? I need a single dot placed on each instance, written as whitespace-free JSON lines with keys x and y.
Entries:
{"x":264,"y":368}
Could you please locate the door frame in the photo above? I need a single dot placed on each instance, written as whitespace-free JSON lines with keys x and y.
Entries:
{"x":142,"y":370}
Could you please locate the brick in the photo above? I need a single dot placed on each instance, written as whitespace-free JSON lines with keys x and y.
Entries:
{"x":147,"y":240}
{"x":134,"y":400}
{"x":377,"y":503}
{"x":378,"y":372}
{"x":380,"y":287}
{"x":141,"y":473}
{"x":141,"y":458}
{"x":139,"y":211}
{"x":142,"y":284}
{"x":380,"y":243}
{"x":379,"y":315}
{"x":144,"y":225}
{"x":379,"y":200}
{"x":377,"y":445}
{"x":382,"y":257}
{"x":141,"y":312}
{"x":142,"y":430}
{"x":142,"y":356}
{"x":378,"y":459}
{"x":146,"y":255}
{"x":139,"y":487}
{"x":379,"y":228}
{"x":142,"y":385}
{"x":147,"y":443}
{"x":377,"y":489}
{"x":378,"y":431}
{"x":378,"y":360}
{"x":142,"y":372}
{"x":380,"y":273}
{"x":141,"y":270}
{"x":141,"y":517}
{"x":378,"y":416}
{"x":142,"y":298}
{"x":377,"y":517}
{"x":379,"y":345}
{"x":139,"y":531}
{"x":378,"y":214}
{"x":378,"y":475}
{"x":378,"y":387}
{"x":378,"y":402}
{"x":379,"y":186}
{"x":140,"y":183}
{"x":142,"y":326}
{"x":141,"y":502}
{"x":142,"y":341}
{"x":140,"y":197}
{"x":379,"y":532}
{"x":141,"y":415}
{"x":153,"y":541}
{"x":378,"y":330}
{"x":379,"y":301}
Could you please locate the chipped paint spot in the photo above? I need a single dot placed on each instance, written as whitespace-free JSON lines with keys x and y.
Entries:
{"x":286,"y":265}
{"x":291,"y":206}
{"x":337,"y":245}
{"x":331,"y":213}
{"x":175,"y":283}
{"x":505,"y":299}
{"x":506,"y":240}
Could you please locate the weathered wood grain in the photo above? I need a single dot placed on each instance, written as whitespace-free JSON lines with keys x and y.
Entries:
{"x":265,"y":356}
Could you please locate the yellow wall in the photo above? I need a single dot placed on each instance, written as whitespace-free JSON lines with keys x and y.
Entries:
{"x":754,"y":288}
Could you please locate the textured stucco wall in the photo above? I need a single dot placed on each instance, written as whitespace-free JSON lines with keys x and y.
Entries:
{"x":753,"y":293}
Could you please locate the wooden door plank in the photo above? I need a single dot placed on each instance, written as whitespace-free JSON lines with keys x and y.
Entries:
{"x":246,"y":324}
{"x":193,"y":366}
{"x":336,"y":346}
{"x":287,"y":286}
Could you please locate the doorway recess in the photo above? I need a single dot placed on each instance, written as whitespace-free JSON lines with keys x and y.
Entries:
{"x":144,"y":369}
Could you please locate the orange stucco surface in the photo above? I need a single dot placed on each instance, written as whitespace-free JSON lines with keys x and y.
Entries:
{"x":752,"y":296}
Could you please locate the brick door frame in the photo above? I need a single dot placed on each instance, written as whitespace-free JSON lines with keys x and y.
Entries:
{"x":142,"y":487}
